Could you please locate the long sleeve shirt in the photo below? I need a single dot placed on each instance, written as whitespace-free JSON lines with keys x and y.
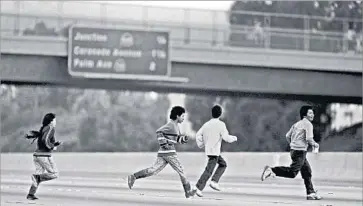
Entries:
{"x":301,"y":135}
{"x":210,"y":136}
{"x":168,"y":135}
{"x":46,"y":141}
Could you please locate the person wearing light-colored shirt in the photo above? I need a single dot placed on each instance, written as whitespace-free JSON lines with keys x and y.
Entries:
{"x":300,"y":136}
{"x":210,"y":136}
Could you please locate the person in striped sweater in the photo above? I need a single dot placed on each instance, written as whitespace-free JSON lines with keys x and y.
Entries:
{"x":44,"y":164}
{"x":168,"y":136}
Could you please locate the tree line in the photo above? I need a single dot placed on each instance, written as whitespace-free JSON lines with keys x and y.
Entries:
{"x":126,"y":121}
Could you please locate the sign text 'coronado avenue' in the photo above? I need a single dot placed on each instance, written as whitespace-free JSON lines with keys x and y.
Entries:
{"x":118,"y":53}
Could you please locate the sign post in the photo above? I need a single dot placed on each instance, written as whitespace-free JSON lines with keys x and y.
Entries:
{"x":105,"y":53}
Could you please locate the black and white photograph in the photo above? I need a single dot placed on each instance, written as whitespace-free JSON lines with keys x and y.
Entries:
{"x":181,"y":103}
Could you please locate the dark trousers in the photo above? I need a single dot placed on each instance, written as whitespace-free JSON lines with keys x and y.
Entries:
{"x":299,"y":164}
{"x":212,"y":162}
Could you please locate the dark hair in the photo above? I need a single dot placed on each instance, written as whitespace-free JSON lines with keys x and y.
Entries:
{"x":47,"y":119}
{"x":304,"y":110}
{"x":176,"y":111}
{"x":216,"y":111}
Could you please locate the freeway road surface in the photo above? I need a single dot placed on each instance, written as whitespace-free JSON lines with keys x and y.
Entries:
{"x":83,"y":189}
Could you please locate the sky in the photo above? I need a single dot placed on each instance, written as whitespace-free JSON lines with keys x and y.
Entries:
{"x":208,"y":5}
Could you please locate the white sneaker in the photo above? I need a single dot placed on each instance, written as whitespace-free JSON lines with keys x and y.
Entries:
{"x":267,"y":172}
{"x":314,"y":196}
{"x":199,"y":193}
{"x":214,"y":185}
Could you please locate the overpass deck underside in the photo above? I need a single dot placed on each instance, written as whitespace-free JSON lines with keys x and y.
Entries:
{"x":214,"y":79}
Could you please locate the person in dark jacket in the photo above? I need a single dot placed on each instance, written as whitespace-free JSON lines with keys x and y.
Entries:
{"x":45,"y":166}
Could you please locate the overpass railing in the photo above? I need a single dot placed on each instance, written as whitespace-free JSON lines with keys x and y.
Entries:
{"x":198,"y":34}
{"x":146,"y":13}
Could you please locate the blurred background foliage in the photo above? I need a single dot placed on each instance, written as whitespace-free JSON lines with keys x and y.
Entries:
{"x":125,"y":121}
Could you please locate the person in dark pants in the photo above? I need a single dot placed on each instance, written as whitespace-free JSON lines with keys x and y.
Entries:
{"x":210,"y":136}
{"x":300,"y":136}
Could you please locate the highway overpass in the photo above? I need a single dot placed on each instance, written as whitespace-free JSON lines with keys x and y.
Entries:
{"x":198,"y":68}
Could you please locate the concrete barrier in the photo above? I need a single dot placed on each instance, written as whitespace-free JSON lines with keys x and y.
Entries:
{"x":326,"y":166}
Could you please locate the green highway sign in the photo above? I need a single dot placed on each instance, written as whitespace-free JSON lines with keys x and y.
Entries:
{"x":108,"y":53}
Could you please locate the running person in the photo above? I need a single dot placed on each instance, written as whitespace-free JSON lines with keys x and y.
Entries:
{"x":45,"y":166}
{"x":167,"y":136}
{"x":300,"y":136}
{"x":210,"y":136}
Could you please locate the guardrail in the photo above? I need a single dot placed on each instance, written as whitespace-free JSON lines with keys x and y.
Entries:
{"x":146,"y":13}
{"x":181,"y":34}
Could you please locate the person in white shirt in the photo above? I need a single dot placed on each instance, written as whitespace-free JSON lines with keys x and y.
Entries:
{"x":210,"y":136}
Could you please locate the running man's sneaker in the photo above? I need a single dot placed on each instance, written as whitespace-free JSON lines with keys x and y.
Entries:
{"x":191,"y":193}
{"x":131,"y":180}
{"x":313,"y":196}
{"x":199,"y":193}
{"x":31,"y":197}
{"x":35,"y":180}
{"x":267,"y":172}
{"x":214,"y":185}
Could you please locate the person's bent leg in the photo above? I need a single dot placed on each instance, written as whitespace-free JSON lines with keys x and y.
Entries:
{"x":208,"y":171}
{"x":306,"y":174}
{"x":50,"y":167}
{"x":222,"y":166}
{"x":159,"y":165}
{"x":177,"y":166}
{"x":153,"y":170}
{"x":297,"y":158}
{"x":35,"y":178}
